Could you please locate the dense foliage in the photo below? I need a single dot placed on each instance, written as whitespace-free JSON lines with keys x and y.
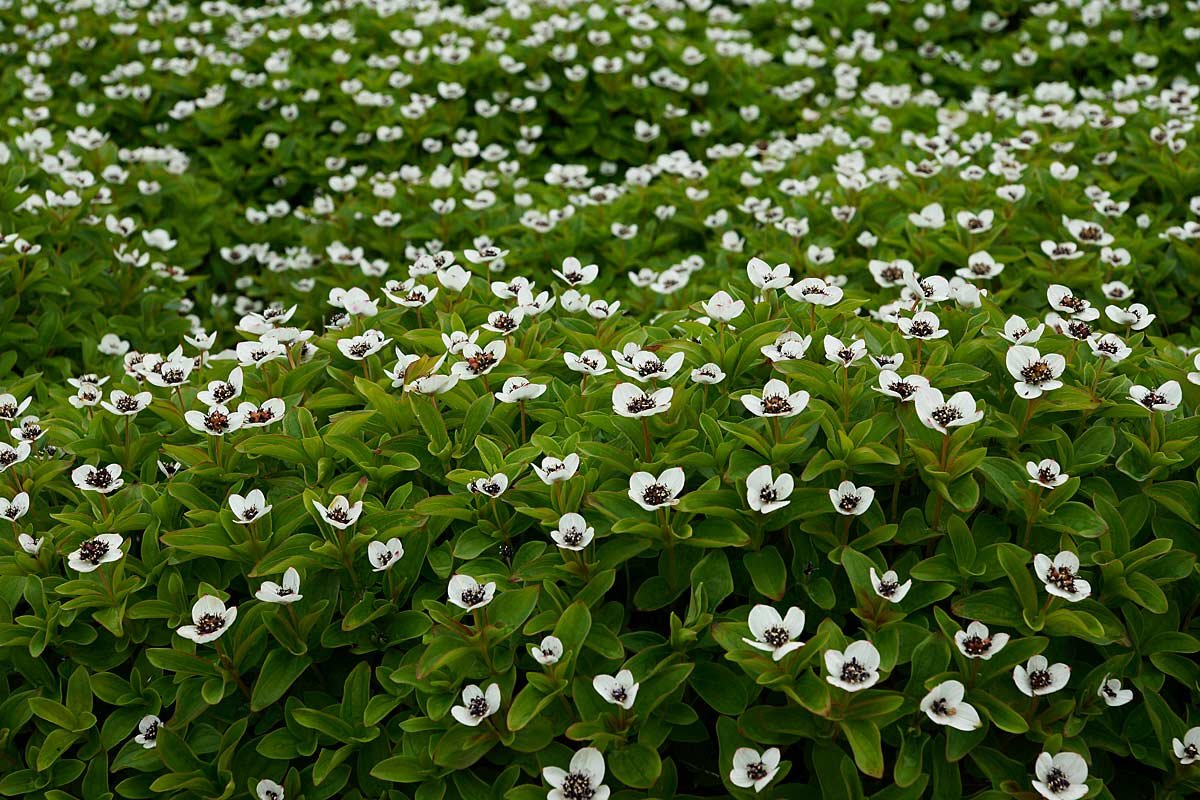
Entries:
{"x":617,"y":400}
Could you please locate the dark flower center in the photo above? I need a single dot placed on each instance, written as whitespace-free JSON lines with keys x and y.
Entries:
{"x":1047,"y":475}
{"x":650,"y":367}
{"x":217,"y":422}
{"x":768,"y":494}
{"x":210,"y":623}
{"x":854,"y":672}
{"x":656,"y":494}
{"x":756,"y":771}
{"x":848,"y":502}
{"x":360,"y":349}
{"x":472,"y":596}
{"x":250,"y":512}
{"x":1062,"y":578}
{"x":478,"y":707}
{"x":223,"y":392}
{"x":576,"y":786}
{"x":904,"y":389}
{"x":944,"y":415}
{"x":1073,"y":303}
{"x":940,"y":708}
{"x":776,"y":404}
{"x":126,"y":403}
{"x":481,"y":363}
{"x":1039,"y":679}
{"x":503,"y":322}
{"x":920,"y":329}
{"x":1057,"y":781}
{"x":260,"y":416}
{"x":1079,"y":330}
{"x":1191,"y":751}
{"x":640,"y":404}
{"x":619,"y":694}
{"x":1152,"y":399}
{"x":572,"y":536}
{"x":1037,"y":372}
{"x":977,"y":645}
{"x":888,"y":588}
{"x":776,"y":636}
{"x":92,"y":551}
{"x":99,"y":479}
{"x":8,"y":411}
{"x":337,"y":514}
{"x":151,"y":732}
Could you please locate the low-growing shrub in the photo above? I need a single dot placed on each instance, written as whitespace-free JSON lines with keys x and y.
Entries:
{"x":670,"y":400}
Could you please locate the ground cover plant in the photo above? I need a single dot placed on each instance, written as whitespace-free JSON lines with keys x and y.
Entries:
{"x":599,"y":400}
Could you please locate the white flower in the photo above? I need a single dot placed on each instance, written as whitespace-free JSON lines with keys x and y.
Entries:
{"x":555,"y":470}
{"x":776,"y":401}
{"x":790,"y":346}
{"x":975,"y":223}
{"x":1165,"y":398}
{"x":1033,"y":372}
{"x":941,"y":415}
{"x":1111,"y":692}
{"x":468,"y":594}
{"x":112,"y":345}
{"x":711,"y":373}
{"x":548,"y":652}
{"x":210,"y":620}
{"x":574,"y":273}
{"x":723,"y":308}
{"x":629,"y":400}
{"x":844,"y":354}
{"x":217,"y":421}
{"x":765,"y":493}
{"x":977,"y":642}
{"x":16,"y":508}
{"x":1038,"y":676}
{"x":93,"y":552}
{"x":477,"y":705}
{"x":652,"y":493}
{"x":645,"y":366}
{"x":922,"y":325}
{"x":268,"y":790}
{"x":1046,"y":473}
{"x":1060,"y":576}
{"x":890,"y":273}
{"x":903,"y":389}
{"x":147,"y":735}
{"x":889,"y":587}
{"x":944,"y":705}
{"x":619,"y":689}
{"x":850,"y":500}
{"x":816,"y":291}
{"x":104,"y":480}
{"x":775,"y":634}
{"x":493,"y":487}
{"x":286,"y":592}
{"x":1187,"y":750}
{"x":1061,"y":777}
{"x":340,"y":513}
{"x":931,"y":216}
{"x":980,"y":267}
{"x":573,"y":532}
{"x":855,"y":669}
{"x":250,"y":508}
{"x":763,"y":276}
{"x":1061,"y":299}
{"x":478,"y":361}
{"x":750,"y":769}
{"x":126,"y":405}
{"x":583,"y":780}
{"x":219,"y":392}
{"x":1110,"y":346}
{"x":1017,"y":331}
{"x":589,"y":362}
{"x":384,"y":555}
{"x":29,"y":544}
{"x":1137,"y":317}
{"x":518,"y":390}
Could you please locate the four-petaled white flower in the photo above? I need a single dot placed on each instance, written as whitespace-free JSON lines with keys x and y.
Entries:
{"x":477,"y":704}
{"x":147,"y":735}
{"x":854,"y":669}
{"x":548,"y":652}
{"x":851,"y":500}
{"x":468,"y":593}
{"x":1112,"y":694}
{"x":1038,"y":676}
{"x":1061,"y":576}
{"x":384,"y":555}
{"x":765,"y":493}
{"x":944,"y":705}
{"x":723,"y":308}
{"x":582,"y":780}
{"x":210,"y":620}
{"x":977,"y":642}
{"x":619,"y":689}
{"x":286,"y":592}
{"x":267,"y":789}
{"x":249,"y":509}
{"x":776,"y":401}
{"x":940,"y":414}
{"x":1061,"y":777}
{"x":91,"y":553}
{"x":573,"y":532}
{"x":773,"y":633}
{"x":653,"y":493}
{"x":1046,"y":473}
{"x":630,"y":400}
{"x":752,"y":769}
{"x":1165,"y":398}
{"x":1187,"y":749}
{"x":104,"y":480}
{"x":888,"y":585}
{"x":556,"y":470}
{"x":340,"y":513}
